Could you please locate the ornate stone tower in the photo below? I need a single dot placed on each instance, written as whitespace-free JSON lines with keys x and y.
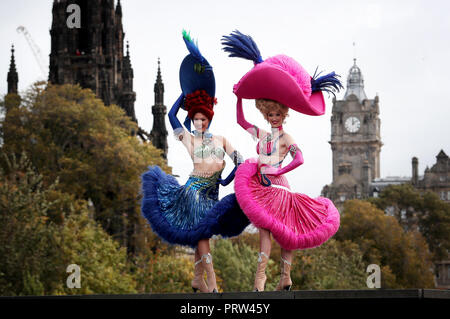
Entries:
{"x":355,"y":141}
{"x":13,"y":77}
{"x":92,"y":55}
{"x":158,"y":135}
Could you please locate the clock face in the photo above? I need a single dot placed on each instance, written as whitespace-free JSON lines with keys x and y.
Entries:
{"x":352,"y":124}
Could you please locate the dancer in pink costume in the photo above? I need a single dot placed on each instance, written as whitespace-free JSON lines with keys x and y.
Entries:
{"x":295,"y":220}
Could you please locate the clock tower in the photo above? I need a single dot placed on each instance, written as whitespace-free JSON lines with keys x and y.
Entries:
{"x":355,"y":142}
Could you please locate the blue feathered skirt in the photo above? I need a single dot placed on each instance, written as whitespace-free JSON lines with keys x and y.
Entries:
{"x":185,"y":214}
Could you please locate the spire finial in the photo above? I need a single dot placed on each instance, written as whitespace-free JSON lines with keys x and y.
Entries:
{"x":159,"y":87}
{"x":13,"y":62}
{"x":355,"y":80}
{"x":119,"y":8}
{"x":128,"y":47}
{"x":13,"y":77}
{"x":158,"y":77}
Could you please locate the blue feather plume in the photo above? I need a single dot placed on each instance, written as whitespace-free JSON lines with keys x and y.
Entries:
{"x":327,"y":83}
{"x":192,"y":46}
{"x":241,"y":46}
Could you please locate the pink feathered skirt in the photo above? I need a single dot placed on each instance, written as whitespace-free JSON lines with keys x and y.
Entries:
{"x":295,"y":220}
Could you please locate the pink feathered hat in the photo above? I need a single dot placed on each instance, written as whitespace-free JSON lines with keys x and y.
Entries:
{"x":279,"y":78}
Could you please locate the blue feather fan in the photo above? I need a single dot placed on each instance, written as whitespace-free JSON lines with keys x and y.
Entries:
{"x":328,"y":83}
{"x":241,"y":46}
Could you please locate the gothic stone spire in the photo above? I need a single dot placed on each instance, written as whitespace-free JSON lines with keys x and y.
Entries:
{"x":158,"y":135}
{"x":13,"y":76}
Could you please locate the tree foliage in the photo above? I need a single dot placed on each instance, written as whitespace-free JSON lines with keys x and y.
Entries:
{"x":43,"y":230}
{"x":383,"y":241}
{"x":162,"y":272}
{"x":69,"y":134}
{"x":334,"y":265}
{"x":421,"y":211}
{"x":237,"y":263}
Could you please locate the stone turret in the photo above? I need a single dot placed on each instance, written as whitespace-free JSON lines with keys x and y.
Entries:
{"x":158,"y":135}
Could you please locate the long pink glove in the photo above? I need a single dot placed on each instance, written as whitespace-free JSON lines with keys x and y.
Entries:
{"x":296,"y":162}
{"x":252,"y":129}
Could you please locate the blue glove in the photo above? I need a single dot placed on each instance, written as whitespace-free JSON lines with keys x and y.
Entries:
{"x":237,"y":160}
{"x":229,"y":179}
{"x":173,"y":113}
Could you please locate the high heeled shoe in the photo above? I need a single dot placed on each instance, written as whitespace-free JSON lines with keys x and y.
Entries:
{"x":285,"y":282}
{"x":210,"y":275}
{"x":198,"y":283}
{"x":260,"y":276}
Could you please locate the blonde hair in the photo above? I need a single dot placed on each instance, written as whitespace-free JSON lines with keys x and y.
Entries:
{"x":266,"y":106}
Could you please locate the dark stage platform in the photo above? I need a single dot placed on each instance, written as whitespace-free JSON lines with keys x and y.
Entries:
{"x":351,"y":303}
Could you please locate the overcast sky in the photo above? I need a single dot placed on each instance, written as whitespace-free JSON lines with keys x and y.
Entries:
{"x":402,"y":48}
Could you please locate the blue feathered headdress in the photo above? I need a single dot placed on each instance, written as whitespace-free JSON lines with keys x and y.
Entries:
{"x":195,"y":72}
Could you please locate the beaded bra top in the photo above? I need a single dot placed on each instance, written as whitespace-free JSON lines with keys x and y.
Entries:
{"x":207,"y":148}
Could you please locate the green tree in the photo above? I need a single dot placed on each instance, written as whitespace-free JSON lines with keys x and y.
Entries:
{"x":333,"y":265}
{"x":163,"y":271}
{"x":236,"y":264}
{"x":43,"y":230}
{"x":383,"y":241}
{"x":103,"y":263}
{"x":69,"y":134}
{"x":422,"y":211}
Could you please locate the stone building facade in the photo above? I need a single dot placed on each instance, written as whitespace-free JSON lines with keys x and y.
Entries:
{"x":436,"y":178}
{"x":93,"y":54}
{"x":93,"y":57}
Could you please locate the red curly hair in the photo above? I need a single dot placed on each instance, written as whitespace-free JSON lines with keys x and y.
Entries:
{"x":200,"y":102}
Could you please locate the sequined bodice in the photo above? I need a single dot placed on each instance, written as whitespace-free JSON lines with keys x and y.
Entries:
{"x":206,"y":151}
{"x":207,"y":148}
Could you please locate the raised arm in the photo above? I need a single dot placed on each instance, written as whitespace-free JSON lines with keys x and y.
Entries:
{"x":174,"y":122}
{"x":180,"y":133}
{"x":252,"y":129}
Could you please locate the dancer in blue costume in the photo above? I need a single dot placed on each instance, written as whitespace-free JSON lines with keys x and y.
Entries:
{"x":190,"y":214}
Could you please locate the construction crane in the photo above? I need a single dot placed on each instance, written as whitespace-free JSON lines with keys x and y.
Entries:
{"x":35,"y":49}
